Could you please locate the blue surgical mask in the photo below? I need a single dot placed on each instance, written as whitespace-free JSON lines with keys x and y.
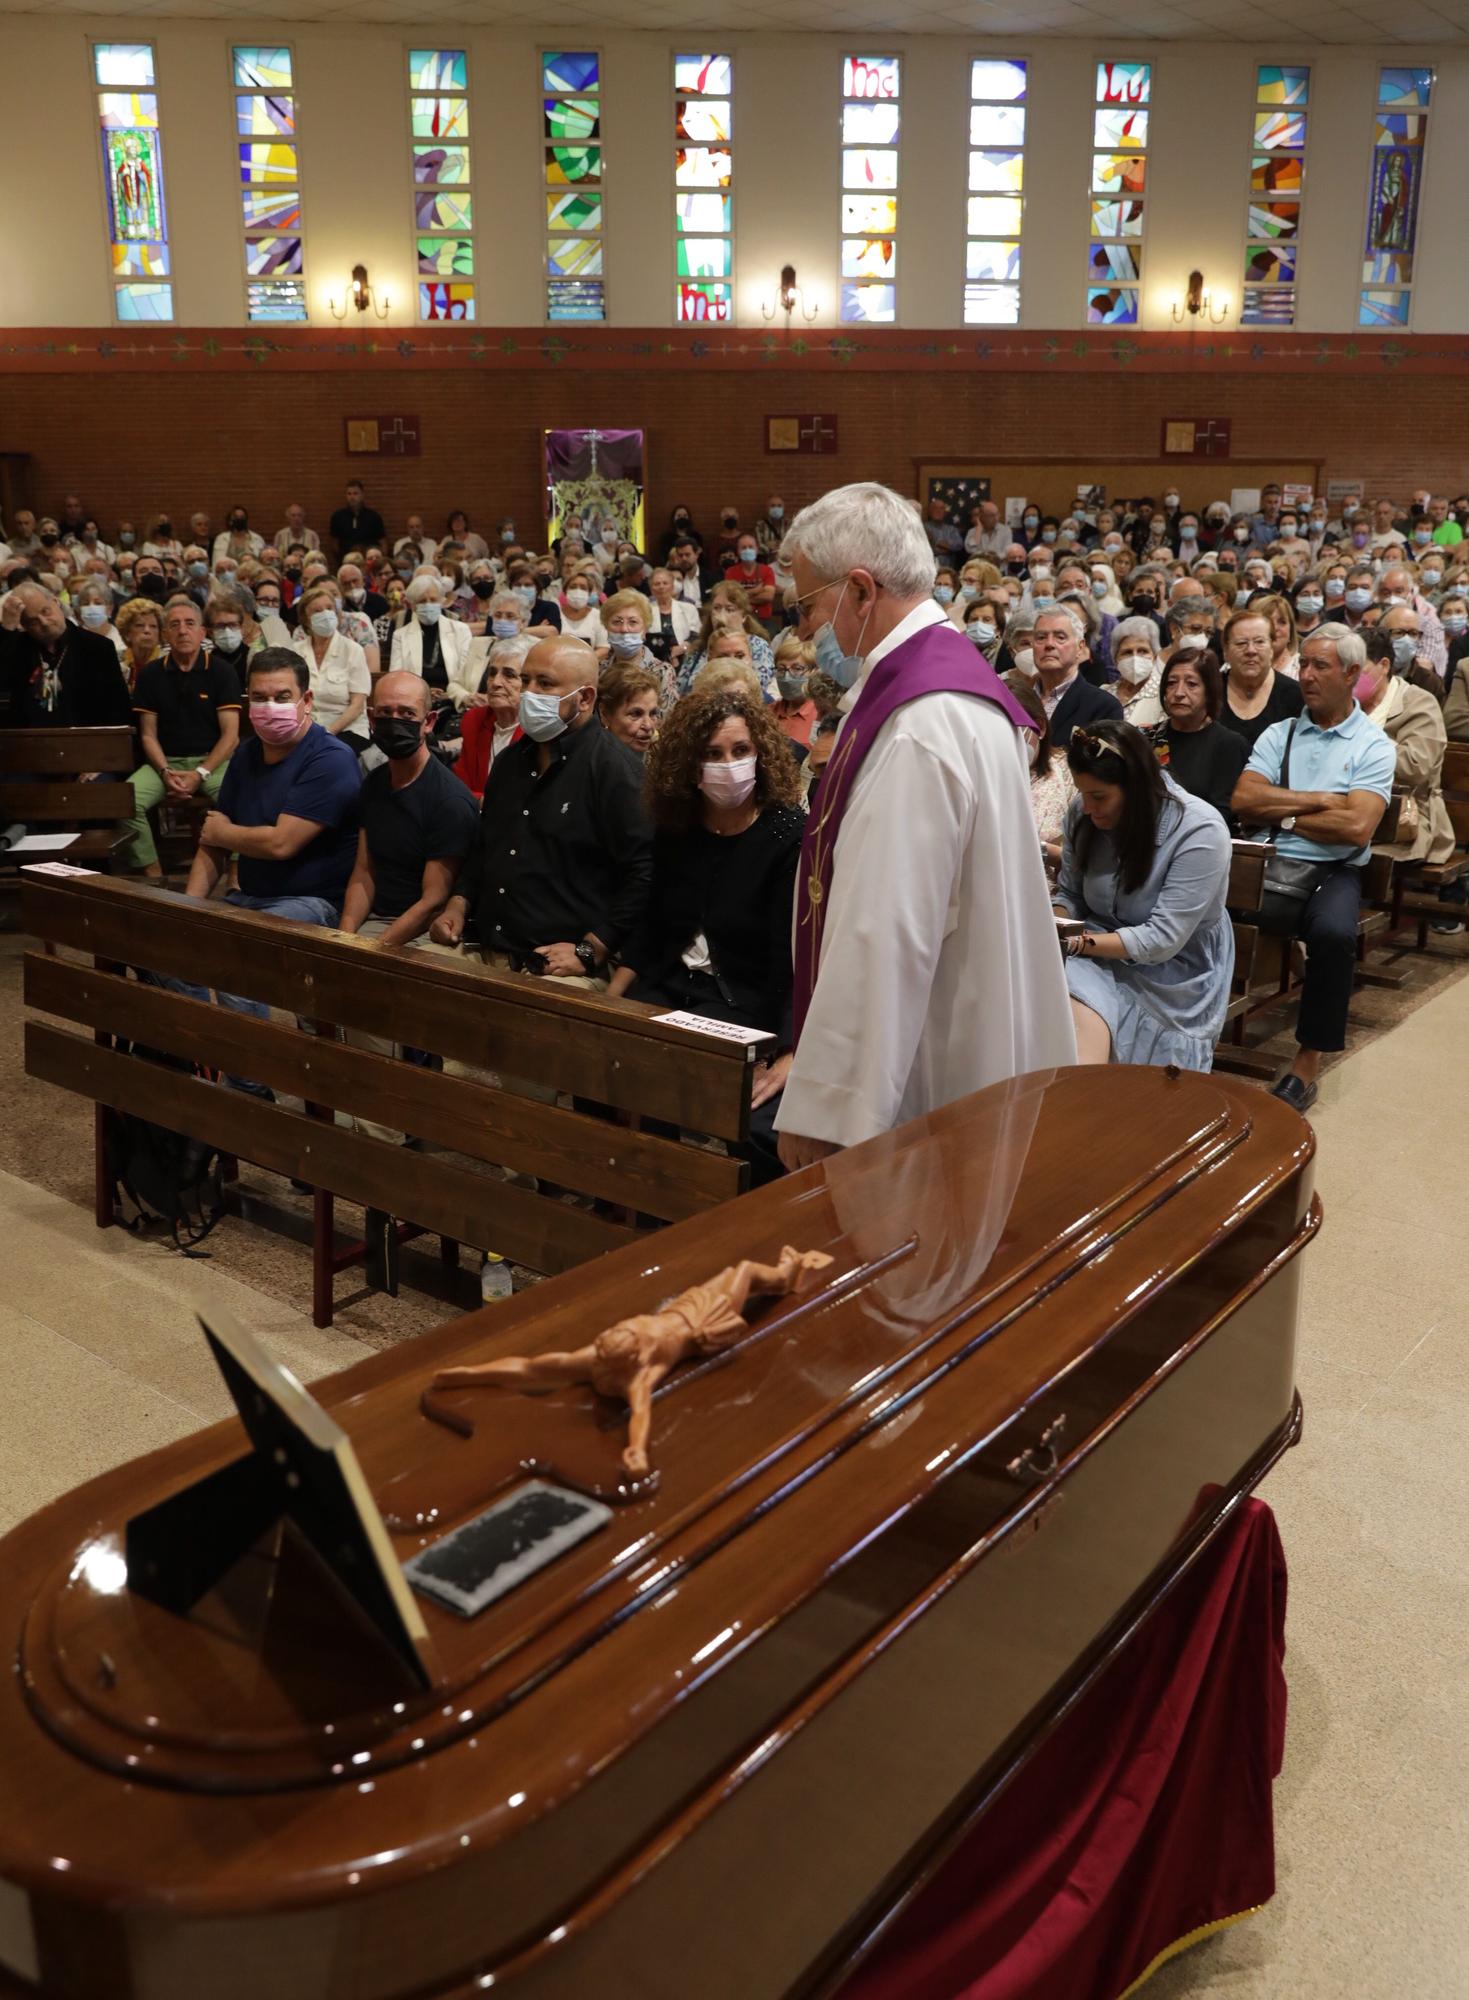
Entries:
{"x":229,"y":638}
{"x":1308,"y":606}
{"x":526,"y":592}
{"x":93,"y":616}
{"x":1359,"y":598}
{"x":626,"y":645}
{"x":1099,"y":586}
{"x":1404,"y":650}
{"x":505,"y":628}
{"x":843,"y":668}
{"x":944,"y":593}
{"x":541,"y":717}
{"x":198,"y":569}
{"x":776,"y":513}
{"x":507,"y":536}
{"x":1336,"y":588}
{"x":1423,"y":536}
{"x":1041,"y":599}
{"x":1456,"y":622}
{"x":969,"y":591}
{"x":323,"y":624}
{"x":429,"y":614}
{"x":983,"y":635}
{"x":1048,"y":535}
{"x":1032,"y":522}
{"x":1430,"y":578}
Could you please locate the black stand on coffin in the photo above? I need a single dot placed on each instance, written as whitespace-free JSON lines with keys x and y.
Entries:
{"x":302,"y":1470}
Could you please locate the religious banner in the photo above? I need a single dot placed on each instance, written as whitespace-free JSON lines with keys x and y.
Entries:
{"x":803,"y":434}
{"x":594,"y":479}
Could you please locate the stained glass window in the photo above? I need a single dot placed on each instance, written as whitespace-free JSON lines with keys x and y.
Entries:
{"x":443,"y":205}
{"x":1400,"y":129}
{"x":703,"y":176}
{"x":132,"y":175}
{"x":1277,"y":168}
{"x":997,"y":193}
{"x":571,"y":134}
{"x":1119,"y":176}
{"x":269,"y":182}
{"x":871,"y":116}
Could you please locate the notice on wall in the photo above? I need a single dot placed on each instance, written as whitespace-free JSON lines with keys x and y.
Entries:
{"x":1015,"y":511}
{"x":1338,"y":490}
{"x":1244,"y":500}
{"x":1297,"y":493}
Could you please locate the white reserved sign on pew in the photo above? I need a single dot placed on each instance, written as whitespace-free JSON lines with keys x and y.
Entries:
{"x":702,"y":1025}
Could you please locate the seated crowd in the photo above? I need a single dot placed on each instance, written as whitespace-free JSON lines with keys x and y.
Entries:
{"x":592,"y":763}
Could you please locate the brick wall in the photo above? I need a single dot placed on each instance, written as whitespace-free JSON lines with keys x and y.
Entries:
{"x":132,"y":441}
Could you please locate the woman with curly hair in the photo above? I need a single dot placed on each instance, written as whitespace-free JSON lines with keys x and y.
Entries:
{"x":723,"y":794}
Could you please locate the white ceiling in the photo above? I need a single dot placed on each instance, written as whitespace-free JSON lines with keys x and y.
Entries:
{"x":1416,"y":23}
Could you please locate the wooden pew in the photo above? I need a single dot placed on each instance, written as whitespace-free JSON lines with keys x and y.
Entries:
{"x":613,"y":1054}
{"x":1262,"y":965}
{"x":1414,"y":898}
{"x":39,"y":773}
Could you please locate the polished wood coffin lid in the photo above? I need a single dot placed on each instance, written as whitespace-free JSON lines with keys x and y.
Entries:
{"x":994,"y":1275}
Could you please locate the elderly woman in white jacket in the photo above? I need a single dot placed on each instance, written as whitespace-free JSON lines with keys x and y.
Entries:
{"x":340,"y":679}
{"x":436,"y":647}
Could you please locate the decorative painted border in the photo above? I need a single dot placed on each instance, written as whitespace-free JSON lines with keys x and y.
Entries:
{"x":80,"y":350}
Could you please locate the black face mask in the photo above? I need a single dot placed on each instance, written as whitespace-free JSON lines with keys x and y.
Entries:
{"x":483,"y":587}
{"x":49,"y":541}
{"x":151,"y":586}
{"x":294,"y":573}
{"x":238,"y":527}
{"x":1142,"y":605}
{"x":396,"y":736}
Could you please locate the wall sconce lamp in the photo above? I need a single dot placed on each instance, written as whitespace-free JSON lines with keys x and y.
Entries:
{"x":360,"y":294}
{"x":1196,"y":303}
{"x":788,"y":298}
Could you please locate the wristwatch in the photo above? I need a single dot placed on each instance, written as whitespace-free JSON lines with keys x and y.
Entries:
{"x":202,"y":771}
{"x":587,"y":955}
{"x":1288,"y":825}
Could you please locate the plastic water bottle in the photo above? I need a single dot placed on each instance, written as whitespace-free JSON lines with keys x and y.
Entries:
{"x":495,"y":1281}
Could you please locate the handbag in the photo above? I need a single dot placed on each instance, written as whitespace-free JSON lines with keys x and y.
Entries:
{"x":1284,"y":875}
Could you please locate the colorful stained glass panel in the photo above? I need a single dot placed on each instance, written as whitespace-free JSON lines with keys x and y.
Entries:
{"x":140,"y":260}
{"x":869,"y":124}
{"x":1280,"y":131}
{"x":1281,"y":175}
{"x":1112,"y":264}
{"x":1114,"y":306}
{"x":440,"y":117}
{"x":272,"y":210}
{"x":864,"y":168}
{"x":126,"y":109}
{"x":1384,"y":309}
{"x":572,"y":119}
{"x":874,"y":305}
{"x":267,"y":166}
{"x":573,"y":212}
{"x":870,"y":76}
{"x":262,"y":69}
{"x":991,"y":260}
{"x":446,"y":256}
{"x":1267,"y":305}
{"x":1283,"y":86}
{"x":1273,"y":221}
{"x":440,"y":166}
{"x":1270,"y":267}
{"x":997,"y":125}
{"x":145,"y":302}
{"x":1124,"y":83}
{"x":262,"y":117}
{"x":702,"y":214}
{"x":445,"y":302}
{"x":576,"y":257}
{"x":996,"y":173}
{"x":272,"y":256}
{"x":438,"y":69}
{"x":996,"y":81}
{"x":704,"y":76}
{"x":569,"y":165}
{"x":704,"y":257}
{"x":1114,"y":130}
{"x":1117,"y":218}
{"x":277,"y":299}
{"x":134,"y":167}
{"x":991,"y":305}
{"x":702,"y":121}
{"x":869,"y":256}
{"x":1117,"y":173}
{"x":1398,"y":87}
{"x":575,"y":299}
{"x":868,"y":215}
{"x":124,"y":66}
{"x":444,"y":210}
{"x":706,"y":299}
{"x":572,"y":69}
{"x":702,"y":167}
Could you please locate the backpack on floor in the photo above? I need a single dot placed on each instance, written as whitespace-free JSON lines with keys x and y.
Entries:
{"x":160,"y":1178}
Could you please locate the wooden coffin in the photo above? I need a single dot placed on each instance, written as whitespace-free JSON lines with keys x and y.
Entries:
{"x":708,"y":1748}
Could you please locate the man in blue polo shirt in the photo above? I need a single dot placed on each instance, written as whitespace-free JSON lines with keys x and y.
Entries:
{"x":1322,"y":781}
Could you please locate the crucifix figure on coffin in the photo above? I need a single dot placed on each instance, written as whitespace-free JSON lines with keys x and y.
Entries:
{"x":594,"y":481}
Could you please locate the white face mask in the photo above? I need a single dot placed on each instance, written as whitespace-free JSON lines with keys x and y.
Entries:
{"x":576,"y":600}
{"x":1025,"y":661}
{"x":1193,"y":642}
{"x":1136,"y":668}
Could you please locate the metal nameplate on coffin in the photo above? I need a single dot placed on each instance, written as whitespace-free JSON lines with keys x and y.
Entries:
{"x":488,"y":1556}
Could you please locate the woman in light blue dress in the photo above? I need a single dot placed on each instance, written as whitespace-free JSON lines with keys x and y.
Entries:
{"x":1145,"y":867}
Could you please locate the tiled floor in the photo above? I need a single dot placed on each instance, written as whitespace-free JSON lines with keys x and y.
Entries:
{"x":101,"y":1360}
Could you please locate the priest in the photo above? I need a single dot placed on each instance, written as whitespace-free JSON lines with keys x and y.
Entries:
{"x":926,"y":962}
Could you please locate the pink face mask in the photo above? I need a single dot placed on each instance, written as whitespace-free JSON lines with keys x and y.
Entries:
{"x":1366,"y":687}
{"x":728,"y":784}
{"x":274,"y":721}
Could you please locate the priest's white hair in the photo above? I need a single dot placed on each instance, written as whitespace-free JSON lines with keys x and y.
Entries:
{"x":864,"y":526}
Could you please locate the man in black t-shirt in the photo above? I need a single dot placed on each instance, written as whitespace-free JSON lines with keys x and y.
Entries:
{"x":355,"y":526}
{"x":188,"y":709}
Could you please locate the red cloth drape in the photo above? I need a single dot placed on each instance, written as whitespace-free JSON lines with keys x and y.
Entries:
{"x":1145,"y":1816}
{"x":477,"y":737}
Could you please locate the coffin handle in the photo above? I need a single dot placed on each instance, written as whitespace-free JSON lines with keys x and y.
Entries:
{"x":1042,"y":1459}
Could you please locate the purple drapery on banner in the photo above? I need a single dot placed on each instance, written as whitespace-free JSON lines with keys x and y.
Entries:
{"x":592,"y":453}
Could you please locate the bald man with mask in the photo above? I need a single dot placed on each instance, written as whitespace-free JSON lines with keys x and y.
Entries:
{"x":559,"y":874}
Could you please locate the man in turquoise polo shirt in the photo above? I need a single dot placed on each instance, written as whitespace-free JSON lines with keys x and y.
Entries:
{"x":1322,"y":782}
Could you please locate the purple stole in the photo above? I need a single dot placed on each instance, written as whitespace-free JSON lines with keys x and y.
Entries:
{"x":937,"y":660}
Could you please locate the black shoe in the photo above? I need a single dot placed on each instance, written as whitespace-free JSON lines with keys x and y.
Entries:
{"x":380,"y":1241}
{"x":1295,"y":1091}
